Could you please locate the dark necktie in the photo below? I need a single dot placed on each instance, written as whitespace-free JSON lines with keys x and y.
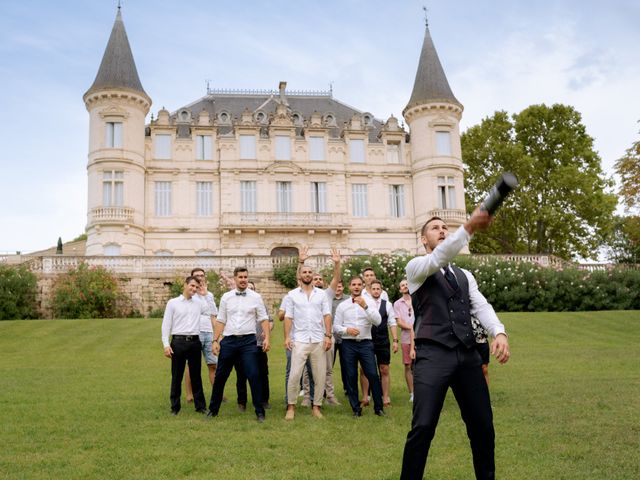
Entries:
{"x":244,"y":294}
{"x":451,"y":278}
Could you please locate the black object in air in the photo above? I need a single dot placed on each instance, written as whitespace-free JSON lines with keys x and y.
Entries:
{"x":499,"y":192}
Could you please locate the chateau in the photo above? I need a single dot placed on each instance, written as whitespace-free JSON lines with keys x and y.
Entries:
{"x":239,"y":173}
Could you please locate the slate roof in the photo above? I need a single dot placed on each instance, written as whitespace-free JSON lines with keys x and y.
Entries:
{"x":431,"y":83}
{"x":117,"y":69}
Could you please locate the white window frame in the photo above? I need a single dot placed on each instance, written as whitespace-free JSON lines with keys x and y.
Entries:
{"x":113,"y":135}
{"x":204,"y":199}
{"x":204,"y":147}
{"x":318,"y":197}
{"x":357,"y":151}
{"x":446,"y":192}
{"x":360,"y":200}
{"x":111,"y":250}
{"x":396,"y":200}
{"x":248,"y":196}
{"x":112,"y":188}
{"x":248,"y":149}
{"x":443,"y":143}
{"x":162,"y":146}
{"x":283,"y":147}
{"x":393,"y":153}
{"x":316,"y":148}
{"x":162,"y":191}
{"x":284,"y":200}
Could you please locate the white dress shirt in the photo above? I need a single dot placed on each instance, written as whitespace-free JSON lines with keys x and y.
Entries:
{"x":211,"y":309}
{"x":240,"y":313}
{"x":181,"y":317}
{"x":391,"y":314}
{"x":307,"y":314}
{"x":419,"y":268}
{"x":352,"y":315}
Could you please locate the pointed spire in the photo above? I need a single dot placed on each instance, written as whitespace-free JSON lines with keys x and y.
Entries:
{"x":117,"y":69}
{"x":431,"y":83}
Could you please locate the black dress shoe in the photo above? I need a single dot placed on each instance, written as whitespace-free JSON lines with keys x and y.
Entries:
{"x":357,"y":413}
{"x":260,"y":418}
{"x":202,"y":411}
{"x":174,"y":412}
{"x":211,"y":414}
{"x":242,"y":407}
{"x":381,"y":413}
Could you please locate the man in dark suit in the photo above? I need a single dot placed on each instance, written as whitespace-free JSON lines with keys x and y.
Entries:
{"x":444,"y":298}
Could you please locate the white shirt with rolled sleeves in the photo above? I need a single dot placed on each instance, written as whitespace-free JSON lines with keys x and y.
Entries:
{"x":352,"y":315}
{"x":240,"y":313}
{"x":419,"y":268}
{"x":391,"y":314}
{"x":307,"y":313}
{"x":205,"y":318}
{"x":181,"y":317}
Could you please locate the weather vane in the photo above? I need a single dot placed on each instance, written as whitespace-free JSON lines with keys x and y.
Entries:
{"x":426,"y":20}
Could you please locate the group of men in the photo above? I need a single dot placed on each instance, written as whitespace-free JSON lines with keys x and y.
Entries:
{"x":436,"y":314}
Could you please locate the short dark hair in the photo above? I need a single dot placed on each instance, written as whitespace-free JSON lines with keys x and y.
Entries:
{"x":376,"y":281}
{"x":191,"y":277}
{"x":197,"y":269}
{"x":237,"y":270}
{"x":356,"y":277}
{"x":427,"y":223}
{"x":367,"y":269}
{"x":251,"y":283}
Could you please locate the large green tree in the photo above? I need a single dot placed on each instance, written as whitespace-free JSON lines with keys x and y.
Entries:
{"x":628,"y":167}
{"x":562,"y":206}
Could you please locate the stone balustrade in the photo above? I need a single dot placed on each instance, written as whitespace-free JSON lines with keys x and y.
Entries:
{"x":278,"y":220}
{"x":449,"y":215}
{"x":111,"y":214}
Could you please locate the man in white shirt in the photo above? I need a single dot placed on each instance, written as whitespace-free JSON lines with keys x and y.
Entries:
{"x":240,"y":310}
{"x":182,"y":322}
{"x":368,"y":276}
{"x":444,"y":298}
{"x":307,"y":327}
{"x":353,"y":322}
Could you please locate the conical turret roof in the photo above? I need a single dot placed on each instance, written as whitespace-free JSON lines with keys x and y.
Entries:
{"x":431,"y":83}
{"x":117,"y":69}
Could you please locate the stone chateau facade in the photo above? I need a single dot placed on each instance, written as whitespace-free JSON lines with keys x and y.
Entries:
{"x":260,"y":173}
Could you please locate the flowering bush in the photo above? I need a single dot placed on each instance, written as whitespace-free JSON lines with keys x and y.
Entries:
{"x":18,"y":287}
{"x":286,"y":273}
{"x":86,"y":292}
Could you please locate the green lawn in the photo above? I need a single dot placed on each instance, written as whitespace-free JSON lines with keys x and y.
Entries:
{"x":89,"y":399}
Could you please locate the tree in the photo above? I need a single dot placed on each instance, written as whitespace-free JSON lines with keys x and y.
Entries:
{"x":561,"y":206}
{"x":628,"y":167}
{"x":624,"y":242}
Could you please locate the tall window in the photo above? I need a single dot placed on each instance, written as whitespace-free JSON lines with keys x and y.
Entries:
{"x":163,"y":147}
{"x":111,"y":250}
{"x":203,"y":147}
{"x":446,"y":192}
{"x":283,"y":191}
{"x":318,"y":197}
{"x":247,"y":147}
{"x":316,"y":148}
{"x":113,"y":135}
{"x":356,"y":151}
{"x":393,"y":153}
{"x":248,"y":196}
{"x":443,"y":143}
{"x":359,"y":198}
{"x":112,"y":188}
{"x":396,"y":197}
{"x":204,"y":198}
{"x":163,"y":199}
{"x":283,"y":147}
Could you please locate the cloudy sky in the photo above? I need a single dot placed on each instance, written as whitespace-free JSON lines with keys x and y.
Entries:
{"x":498,"y":55}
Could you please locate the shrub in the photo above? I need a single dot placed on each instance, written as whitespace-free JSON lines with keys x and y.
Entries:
{"x":86,"y":292}
{"x":286,"y":273}
{"x":18,"y":288}
{"x":215,"y":284}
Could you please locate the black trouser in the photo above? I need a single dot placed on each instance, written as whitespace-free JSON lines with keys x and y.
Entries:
{"x":343,"y":371}
{"x":187,"y":349}
{"x":234,"y":349}
{"x":361,"y":351}
{"x":436,"y":369}
{"x":263,"y":371}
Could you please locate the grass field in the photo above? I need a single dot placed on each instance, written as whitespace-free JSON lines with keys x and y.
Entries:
{"x":89,"y":399}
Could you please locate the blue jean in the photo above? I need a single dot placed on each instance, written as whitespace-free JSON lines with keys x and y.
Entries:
{"x":242,"y":349}
{"x":361,"y":351}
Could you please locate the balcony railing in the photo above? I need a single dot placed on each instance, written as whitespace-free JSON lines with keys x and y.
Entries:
{"x":273,"y":220}
{"x":449,"y":215}
{"x":111,"y":215}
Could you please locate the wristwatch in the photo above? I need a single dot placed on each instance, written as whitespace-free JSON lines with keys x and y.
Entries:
{"x":328,"y":335}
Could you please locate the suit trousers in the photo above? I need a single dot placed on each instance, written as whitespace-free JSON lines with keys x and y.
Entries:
{"x":436,"y":369}
{"x":263,"y":370}
{"x":186,"y":352}
{"x":237,"y":349}
{"x":353,"y":351}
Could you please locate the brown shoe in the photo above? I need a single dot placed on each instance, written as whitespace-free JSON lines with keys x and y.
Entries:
{"x":332,"y":401}
{"x":291,"y":414}
{"x":315,"y":411}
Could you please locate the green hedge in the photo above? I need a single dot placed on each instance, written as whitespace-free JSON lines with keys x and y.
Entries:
{"x":18,"y":288}
{"x":511,"y":286}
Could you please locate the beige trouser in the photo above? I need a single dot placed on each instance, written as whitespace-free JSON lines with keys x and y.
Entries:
{"x":328,"y":387}
{"x":299,"y":354}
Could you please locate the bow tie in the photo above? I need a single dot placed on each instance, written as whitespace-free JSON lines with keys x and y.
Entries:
{"x":244,"y":294}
